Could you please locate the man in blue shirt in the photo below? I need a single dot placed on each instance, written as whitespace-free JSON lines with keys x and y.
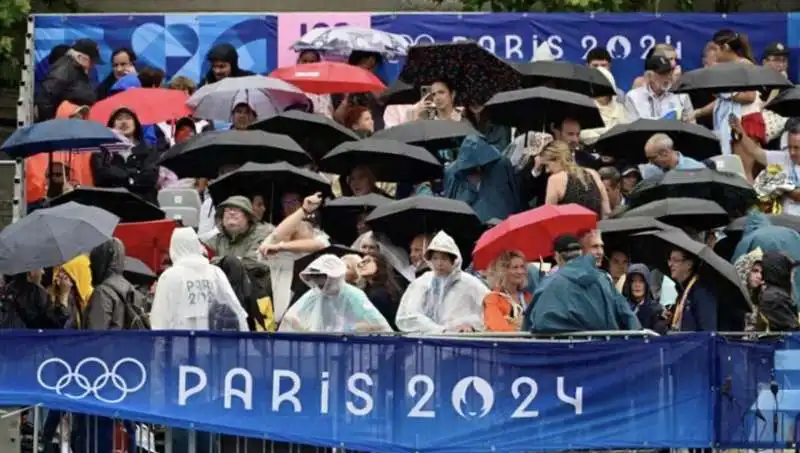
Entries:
{"x":662,"y":157}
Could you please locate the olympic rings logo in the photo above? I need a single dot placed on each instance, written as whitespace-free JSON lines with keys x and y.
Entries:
{"x":95,"y":387}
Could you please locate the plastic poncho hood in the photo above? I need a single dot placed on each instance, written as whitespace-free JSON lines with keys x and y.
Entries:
{"x":435,"y":304}
{"x":193,"y":293}
{"x":332,"y":305}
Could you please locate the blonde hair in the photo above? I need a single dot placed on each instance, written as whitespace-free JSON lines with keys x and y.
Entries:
{"x":182,"y":83}
{"x":498,"y":269}
{"x":558,"y":151}
{"x":664,"y":49}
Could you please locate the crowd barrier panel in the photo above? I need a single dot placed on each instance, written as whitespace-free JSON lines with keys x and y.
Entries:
{"x":426,"y":350}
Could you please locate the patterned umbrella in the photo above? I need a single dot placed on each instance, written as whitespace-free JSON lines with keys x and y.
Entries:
{"x":344,"y":40}
{"x":472,"y":71}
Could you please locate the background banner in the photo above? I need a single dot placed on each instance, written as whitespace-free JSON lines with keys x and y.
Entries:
{"x":627,"y":37}
{"x":378,"y":393}
{"x":178,"y":43}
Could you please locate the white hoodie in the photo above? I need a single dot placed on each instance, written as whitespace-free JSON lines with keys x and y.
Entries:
{"x":187,"y":292}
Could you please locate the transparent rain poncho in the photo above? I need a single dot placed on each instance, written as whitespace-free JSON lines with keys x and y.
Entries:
{"x":193,"y":293}
{"x":332,"y":305}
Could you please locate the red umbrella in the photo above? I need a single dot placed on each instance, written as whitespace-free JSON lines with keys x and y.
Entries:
{"x":329,"y":77}
{"x":146,"y":241}
{"x":532,"y":232}
{"x":151,"y":105}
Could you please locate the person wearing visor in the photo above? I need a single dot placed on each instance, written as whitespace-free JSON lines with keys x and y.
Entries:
{"x":654,"y":100}
{"x":331,"y":304}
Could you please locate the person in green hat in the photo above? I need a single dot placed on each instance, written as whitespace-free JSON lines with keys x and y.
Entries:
{"x":240,"y":232}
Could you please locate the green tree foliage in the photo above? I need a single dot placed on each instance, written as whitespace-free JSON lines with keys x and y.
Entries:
{"x":12,"y":22}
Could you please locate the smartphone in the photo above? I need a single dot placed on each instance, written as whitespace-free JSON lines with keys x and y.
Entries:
{"x":424,"y":91}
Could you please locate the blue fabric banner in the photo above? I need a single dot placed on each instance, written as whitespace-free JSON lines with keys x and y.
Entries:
{"x":627,"y":37}
{"x":178,"y":43}
{"x":378,"y":393}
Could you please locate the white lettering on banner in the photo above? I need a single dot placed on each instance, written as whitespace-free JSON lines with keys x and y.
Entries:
{"x":619,"y":46}
{"x":421,"y":388}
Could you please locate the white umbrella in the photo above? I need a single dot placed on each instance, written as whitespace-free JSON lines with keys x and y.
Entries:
{"x":346,"y":39}
{"x":266,"y":95}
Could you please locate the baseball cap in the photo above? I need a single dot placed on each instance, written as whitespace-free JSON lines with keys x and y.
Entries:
{"x":658,"y":64}
{"x":631,"y":170}
{"x":566,"y":243}
{"x":88,"y":47}
{"x":776,"y":49}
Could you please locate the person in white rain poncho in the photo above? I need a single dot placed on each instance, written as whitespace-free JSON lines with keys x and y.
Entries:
{"x":444,"y":299}
{"x":331,"y":305}
{"x":193,"y":293}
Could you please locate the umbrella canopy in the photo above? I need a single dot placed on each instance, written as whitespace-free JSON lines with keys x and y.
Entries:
{"x":344,"y":40}
{"x":329,"y":77}
{"x":52,"y":236}
{"x":316,"y":134}
{"x":475,"y":73}
{"x":565,"y":76}
{"x":432,"y":135}
{"x":56,"y":135}
{"x":692,"y":213}
{"x":626,"y":141}
{"x":267,"y":95}
{"x":534,"y":109}
{"x":403,"y":220}
{"x":544,"y":223}
{"x":126,"y":205}
{"x":137,"y":272}
{"x":729,"y":77}
{"x":786,"y":103}
{"x":151,"y":105}
{"x":203,"y":155}
{"x":730,"y":190}
{"x":269,"y":181}
{"x":341,"y":216}
{"x":785,"y":220}
{"x":617,"y":232}
{"x":147,"y":241}
{"x":400,"y":93}
{"x":388,"y":160}
{"x":654,"y":249}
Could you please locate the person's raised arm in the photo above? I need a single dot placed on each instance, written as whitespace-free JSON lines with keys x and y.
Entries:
{"x":746,"y":144}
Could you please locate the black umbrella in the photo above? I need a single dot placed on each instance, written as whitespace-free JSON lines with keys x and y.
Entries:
{"x":653,"y":249}
{"x":137,"y":272}
{"x":566,"y":76}
{"x":626,"y":141}
{"x":472,"y":71}
{"x":432,"y":135}
{"x":316,"y":134}
{"x":52,"y":236}
{"x":693,"y":213}
{"x":617,"y":232}
{"x":403,"y":220}
{"x":534,"y":109}
{"x":340,"y":216}
{"x":730,"y":190}
{"x":729,"y":77}
{"x":126,"y":205}
{"x":203,"y":155}
{"x":389,"y":160}
{"x":269,"y":181}
{"x":787,"y":103}
{"x":400,"y":93}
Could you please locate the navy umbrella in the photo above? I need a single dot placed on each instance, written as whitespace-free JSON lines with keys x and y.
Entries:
{"x":52,"y":236}
{"x":58,"y":134}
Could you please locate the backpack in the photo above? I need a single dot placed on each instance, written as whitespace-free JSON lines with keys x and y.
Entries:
{"x":221,"y":317}
{"x":132,"y":303}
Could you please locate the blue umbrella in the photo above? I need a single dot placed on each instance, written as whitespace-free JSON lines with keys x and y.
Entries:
{"x":56,"y":135}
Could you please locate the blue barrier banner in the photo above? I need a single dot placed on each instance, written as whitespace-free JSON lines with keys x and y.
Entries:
{"x":627,"y":37}
{"x":378,"y":393}
{"x":763,"y":407}
{"x":176,"y":43}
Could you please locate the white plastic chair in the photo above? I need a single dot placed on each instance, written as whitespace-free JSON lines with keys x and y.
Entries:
{"x":729,"y":164}
{"x":189,"y":217}
{"x":179,"y":198}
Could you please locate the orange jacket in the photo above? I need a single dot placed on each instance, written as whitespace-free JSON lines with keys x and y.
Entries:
{"x":36,"y":166}
{"x":498,"y":312}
